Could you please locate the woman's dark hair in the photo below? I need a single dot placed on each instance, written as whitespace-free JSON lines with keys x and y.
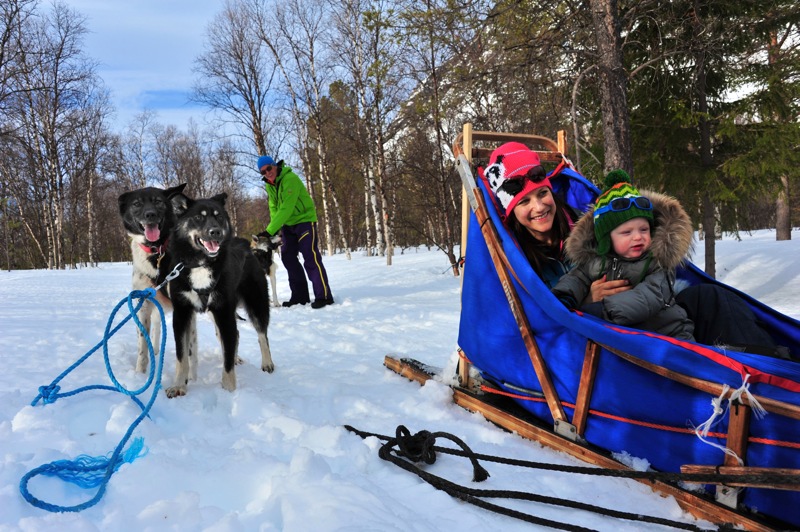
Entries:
{"x":538,"y":252}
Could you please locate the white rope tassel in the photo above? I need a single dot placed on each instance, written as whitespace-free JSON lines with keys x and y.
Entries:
{"x":744,"y":389}
{"x":702,"y":430}
{"x":716,"y":402}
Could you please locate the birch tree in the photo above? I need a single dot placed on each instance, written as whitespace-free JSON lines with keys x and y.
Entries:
{"x":371,"y":58}
{"x":236,"y":73}
{"x":61,"y":79}
{"x":300,"y":54}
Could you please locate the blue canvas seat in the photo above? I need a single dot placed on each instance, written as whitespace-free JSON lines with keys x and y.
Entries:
{"x":631,"y":408}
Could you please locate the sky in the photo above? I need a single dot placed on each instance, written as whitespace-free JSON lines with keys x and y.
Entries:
{"x":273,"y":454}
{"x":146,"y":51}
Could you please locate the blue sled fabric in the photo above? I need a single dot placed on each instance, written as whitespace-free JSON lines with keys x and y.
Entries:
{"x":490,"y":339}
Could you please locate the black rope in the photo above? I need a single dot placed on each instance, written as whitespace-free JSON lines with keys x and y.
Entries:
{"x":421,"y":448}
{"x":764,"y":478}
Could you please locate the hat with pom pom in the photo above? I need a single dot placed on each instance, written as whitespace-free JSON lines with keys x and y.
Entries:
{"x":619,"y":202}
{"x":513,"y":172}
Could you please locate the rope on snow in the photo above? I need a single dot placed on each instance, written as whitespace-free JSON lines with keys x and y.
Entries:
{"x":421,"y":448}
{"x":91,"y":472}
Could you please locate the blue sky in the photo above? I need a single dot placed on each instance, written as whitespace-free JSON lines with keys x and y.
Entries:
{"x":146,"y":50}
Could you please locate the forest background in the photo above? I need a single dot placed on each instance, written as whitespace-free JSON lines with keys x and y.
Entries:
{"x":364,"y":99}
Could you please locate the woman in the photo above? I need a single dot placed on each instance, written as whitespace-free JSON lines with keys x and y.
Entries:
{"x":540,"y":220}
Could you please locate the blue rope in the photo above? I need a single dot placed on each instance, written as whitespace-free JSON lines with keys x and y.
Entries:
{"x":86,"y":471}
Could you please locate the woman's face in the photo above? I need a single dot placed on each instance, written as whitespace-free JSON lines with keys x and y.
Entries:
{"x":536,"y":212}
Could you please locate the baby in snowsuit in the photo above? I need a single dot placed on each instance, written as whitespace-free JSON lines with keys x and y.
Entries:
{"x":640,"y":238}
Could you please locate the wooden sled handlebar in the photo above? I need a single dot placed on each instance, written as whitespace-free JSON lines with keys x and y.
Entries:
{"x":548,"y":150}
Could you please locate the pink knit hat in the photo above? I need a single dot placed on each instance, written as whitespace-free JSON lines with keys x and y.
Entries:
{"x":514,"y":171}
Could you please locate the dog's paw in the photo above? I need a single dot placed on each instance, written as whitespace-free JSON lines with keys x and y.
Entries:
{"x":175,"y":391}
{"x":269,"y":368}
{"x":229,"y":381}
{"x":238,"y":360}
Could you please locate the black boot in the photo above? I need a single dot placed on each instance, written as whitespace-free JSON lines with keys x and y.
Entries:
{"x":319,"y":303}
{"x":293,"y":302}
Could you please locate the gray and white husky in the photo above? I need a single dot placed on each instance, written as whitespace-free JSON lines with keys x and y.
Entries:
{"x":149,"y":218}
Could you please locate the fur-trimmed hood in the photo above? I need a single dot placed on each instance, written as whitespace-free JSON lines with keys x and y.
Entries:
{"x":672,"y":235}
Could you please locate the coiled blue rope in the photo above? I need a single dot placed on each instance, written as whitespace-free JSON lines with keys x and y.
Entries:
{"x":90,"y":472}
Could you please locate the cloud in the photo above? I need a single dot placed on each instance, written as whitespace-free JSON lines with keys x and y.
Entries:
{"x":146,"y":50}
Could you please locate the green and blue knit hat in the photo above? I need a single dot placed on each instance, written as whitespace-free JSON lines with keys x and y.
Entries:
{"x":619,"y":202}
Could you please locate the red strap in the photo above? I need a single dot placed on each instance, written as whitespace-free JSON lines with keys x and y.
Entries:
{"x":154,"y":249}
{"x":743,"y":370}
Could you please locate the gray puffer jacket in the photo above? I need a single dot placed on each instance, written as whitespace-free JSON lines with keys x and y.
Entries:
{"x":650,"y":304}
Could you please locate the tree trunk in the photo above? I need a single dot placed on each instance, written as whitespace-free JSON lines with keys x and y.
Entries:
{"x":709,"y":236}
{"x":613,"y":87}
{"x":783,"y":212}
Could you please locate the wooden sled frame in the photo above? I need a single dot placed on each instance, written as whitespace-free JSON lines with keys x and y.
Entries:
{"x":567,"y":435}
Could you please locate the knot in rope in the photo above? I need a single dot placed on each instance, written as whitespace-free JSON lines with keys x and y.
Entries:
{"x":421,"y":448}
{"x":417,"y":448}
{"x":49,"y":393}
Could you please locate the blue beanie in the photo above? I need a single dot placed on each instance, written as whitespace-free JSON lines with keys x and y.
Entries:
{"x":264,"y":160}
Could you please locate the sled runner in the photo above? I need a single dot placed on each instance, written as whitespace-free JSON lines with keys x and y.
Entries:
{"x":680,"y":405}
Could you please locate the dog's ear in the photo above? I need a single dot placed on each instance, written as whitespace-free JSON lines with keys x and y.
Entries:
{"x":180,"y":204}
{"x":123,"y":202}
{"x":220,"y":198}
{"x":175,"y":190}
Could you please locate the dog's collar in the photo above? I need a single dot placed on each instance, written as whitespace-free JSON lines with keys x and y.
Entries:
{"x":154,"y":249}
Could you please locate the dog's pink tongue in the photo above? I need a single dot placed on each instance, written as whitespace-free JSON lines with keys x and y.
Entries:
{"x":211,"y":245}
{"x":152,"y":232}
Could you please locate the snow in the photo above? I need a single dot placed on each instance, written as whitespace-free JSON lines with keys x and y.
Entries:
{"x":274,"y":454}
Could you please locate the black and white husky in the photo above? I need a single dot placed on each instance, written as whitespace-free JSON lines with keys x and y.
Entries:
{"x":219,"y":274}
{"x":148,"y":217}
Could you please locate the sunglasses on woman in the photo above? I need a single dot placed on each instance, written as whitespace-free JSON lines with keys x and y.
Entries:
{"x":266,"y":169}
{"x":623,"y":204}
{"x":514,"y":185}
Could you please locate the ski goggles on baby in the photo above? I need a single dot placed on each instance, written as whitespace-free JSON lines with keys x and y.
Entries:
{"x":623,"y":204}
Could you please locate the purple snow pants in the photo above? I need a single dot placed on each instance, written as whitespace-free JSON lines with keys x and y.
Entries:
{"x":302,"y":238}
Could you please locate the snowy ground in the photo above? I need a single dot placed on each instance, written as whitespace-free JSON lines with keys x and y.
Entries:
{"x":274,"y":455}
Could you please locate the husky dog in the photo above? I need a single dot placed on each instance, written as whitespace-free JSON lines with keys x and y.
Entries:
{"x":148,"y":217}
{"x":264,"y":250}
{"x":219,"y":273}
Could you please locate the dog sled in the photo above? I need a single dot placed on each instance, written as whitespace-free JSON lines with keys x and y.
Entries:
{"x":594,"y":389}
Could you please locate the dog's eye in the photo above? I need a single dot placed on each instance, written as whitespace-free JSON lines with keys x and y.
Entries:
{"x":198,"y":217}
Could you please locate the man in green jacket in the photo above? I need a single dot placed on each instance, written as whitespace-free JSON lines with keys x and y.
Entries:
{"x":292,"y":212}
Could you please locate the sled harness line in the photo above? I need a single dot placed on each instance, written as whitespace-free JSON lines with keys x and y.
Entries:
{"x":90,"y":472}
{"x":421,"y":447}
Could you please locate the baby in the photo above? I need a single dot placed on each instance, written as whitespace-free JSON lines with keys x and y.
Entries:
{"x":641,"y":239}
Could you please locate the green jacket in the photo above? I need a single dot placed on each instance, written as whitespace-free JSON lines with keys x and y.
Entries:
{"x":289,"y":201}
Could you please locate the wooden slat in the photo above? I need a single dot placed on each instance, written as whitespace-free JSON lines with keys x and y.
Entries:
{"x":770,"y":405}
{"x":502,"y":268}
{"x":738,"y":431}
{"x":743,"y":470}
{"x":407,"y":371}
{"x":585,"y":387}
{"x":544,"y":156}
